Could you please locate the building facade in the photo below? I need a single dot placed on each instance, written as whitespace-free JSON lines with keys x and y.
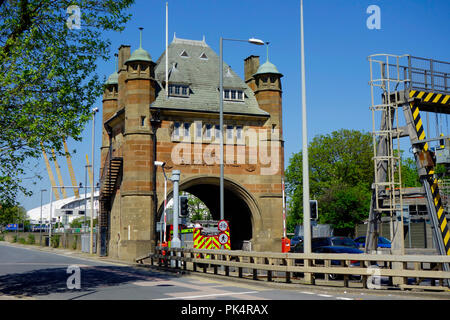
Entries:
{"x":146,"y":119}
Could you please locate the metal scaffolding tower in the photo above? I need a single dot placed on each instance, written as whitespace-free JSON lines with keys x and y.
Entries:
{"x":409,"y":84}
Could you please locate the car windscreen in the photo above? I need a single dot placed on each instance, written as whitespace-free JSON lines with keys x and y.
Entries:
{"x":346,"y":242}
{"x":383,"y":240}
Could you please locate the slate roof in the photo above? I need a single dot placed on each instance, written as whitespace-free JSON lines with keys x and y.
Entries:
{"x":202,"y":75}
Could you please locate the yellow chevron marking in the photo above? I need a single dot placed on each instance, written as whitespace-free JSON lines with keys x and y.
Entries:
{"x":422,"y":137}
{"x":444,"y":223}
{"x":416,"y":113}
{"x":436,"y":199}
{"x":437,"y":98}
{"x":440,"y":211}
{"x":428,"y":97}
{"x":420,"y":95}
{"x":445,"y":99}
{"x":411,"y":93}
{"x":447,"y":236}
{"x":419,"y":124}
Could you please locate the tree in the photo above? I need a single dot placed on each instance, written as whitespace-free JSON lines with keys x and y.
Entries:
{"x":10,"y":213}
{"x":48,"y":80}
{"x":197,"y":209}
{"x":341,"y":173}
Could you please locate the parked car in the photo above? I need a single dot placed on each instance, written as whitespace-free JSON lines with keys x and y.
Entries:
{"x":339,"y":249}
{"x":382,"y":242}
{"x":326,"y":242}
{"x":295,"y":241}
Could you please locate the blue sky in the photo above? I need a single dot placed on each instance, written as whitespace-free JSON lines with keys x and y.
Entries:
{"x":337,"y":44}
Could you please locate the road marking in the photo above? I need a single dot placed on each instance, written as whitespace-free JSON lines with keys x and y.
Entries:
{"x":342,"y":298}
{"x":324,"y":295}
{"x":304,"y":292}
{"x":209,"y":295}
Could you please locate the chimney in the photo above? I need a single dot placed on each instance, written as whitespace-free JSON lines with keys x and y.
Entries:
{"x":124,"y":55}
{"x":251,"y":65}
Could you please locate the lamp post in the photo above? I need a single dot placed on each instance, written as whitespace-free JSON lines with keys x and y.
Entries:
{"x":306,"y":206}
{"x":94,"y":111}
{"x":252,"y":41}
{"x":40,"y":221}
{"x":162,"y":164}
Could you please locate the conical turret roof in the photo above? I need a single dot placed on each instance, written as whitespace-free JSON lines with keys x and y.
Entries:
{"x":140,"y":54}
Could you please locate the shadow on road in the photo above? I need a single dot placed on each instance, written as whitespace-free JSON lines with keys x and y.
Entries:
{"x":54,"y":280}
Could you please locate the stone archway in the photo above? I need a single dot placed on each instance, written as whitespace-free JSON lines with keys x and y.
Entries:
{"x":241,"y":209}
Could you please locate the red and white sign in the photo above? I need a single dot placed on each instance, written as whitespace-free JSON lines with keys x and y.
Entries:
{"x":223,"y":238}
{"x":222,"y":225}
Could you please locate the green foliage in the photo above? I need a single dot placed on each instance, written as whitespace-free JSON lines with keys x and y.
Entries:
{"x":22,"y":241}
{"x":2,"y":238}
{"x":197,"y":209}
{"x":55,"y":240}
{"x":31,"y":239}
{"x":75,"y":242}
{"x":77,"y":222}
{"x":48,"y":80}
{"x":410,"y":176}
{"x":341,"y":173}
{"x":14,"y":240}
{"x":10,"y":213}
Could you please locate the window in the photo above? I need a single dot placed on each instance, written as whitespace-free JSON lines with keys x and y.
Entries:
{"x":187,"y":127}
{"x":184,"y":54}
{"x":142,"y":121}
{"x":217,"y":132}
{"x":203,"y":56}
{"x":239,"y":133}
{"x":233,"y":95}
{"x":178,"y":90}
{"x":176,"y":130}
{"x":208,"y":131}
{"x":229,"y":132}
{"x":198,"y":129}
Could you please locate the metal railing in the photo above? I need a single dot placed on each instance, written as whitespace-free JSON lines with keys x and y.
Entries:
{"x":373,"y":271}
{"x":415,"y":73}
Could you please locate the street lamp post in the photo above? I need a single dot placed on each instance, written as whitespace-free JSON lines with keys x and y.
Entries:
{"x":40,"y":221}
{"x":306,"y":206}
{"x":94,"y":111}
{"x":162,"y":164}
{"x":252,"y":41}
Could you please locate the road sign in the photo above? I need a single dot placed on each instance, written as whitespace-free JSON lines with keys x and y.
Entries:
{"x":223,"y":238}
{"x":222,"y":225}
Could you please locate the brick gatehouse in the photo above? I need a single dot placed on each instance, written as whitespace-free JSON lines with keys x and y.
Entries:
{"x":143,"y":123}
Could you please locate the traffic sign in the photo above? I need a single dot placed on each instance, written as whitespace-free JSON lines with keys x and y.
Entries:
{"x":222,"y":225}
{"x":223,"y":238}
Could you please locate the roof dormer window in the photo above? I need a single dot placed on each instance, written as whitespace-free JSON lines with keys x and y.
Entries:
{"x":233,"y":95}
{"x":184,"y":54}
{"x":178,"y":90}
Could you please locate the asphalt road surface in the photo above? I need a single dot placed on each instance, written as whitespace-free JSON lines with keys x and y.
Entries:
{"x":30,"y":273}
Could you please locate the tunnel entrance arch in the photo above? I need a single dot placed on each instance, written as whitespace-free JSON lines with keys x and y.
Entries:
{"x":241,"y":209}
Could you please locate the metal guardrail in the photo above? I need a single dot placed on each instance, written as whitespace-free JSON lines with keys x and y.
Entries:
{"x":409,"y":72}
{"x":371,"y":271}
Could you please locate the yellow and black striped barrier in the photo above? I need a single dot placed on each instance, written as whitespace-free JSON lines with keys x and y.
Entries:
{"x":430,"y":97}
{"x":442,"y":220}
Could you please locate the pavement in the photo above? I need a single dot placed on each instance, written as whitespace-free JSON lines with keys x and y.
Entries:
{"x":42,"y":273}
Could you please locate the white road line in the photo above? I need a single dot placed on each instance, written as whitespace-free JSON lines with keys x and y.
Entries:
{"x":304,"y":292}
{"x":209,"y":295}
{"x":324,"y":295}
{"x":342,"y":298}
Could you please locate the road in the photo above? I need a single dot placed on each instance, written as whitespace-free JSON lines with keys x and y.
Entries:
{"x":29,"y":273}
